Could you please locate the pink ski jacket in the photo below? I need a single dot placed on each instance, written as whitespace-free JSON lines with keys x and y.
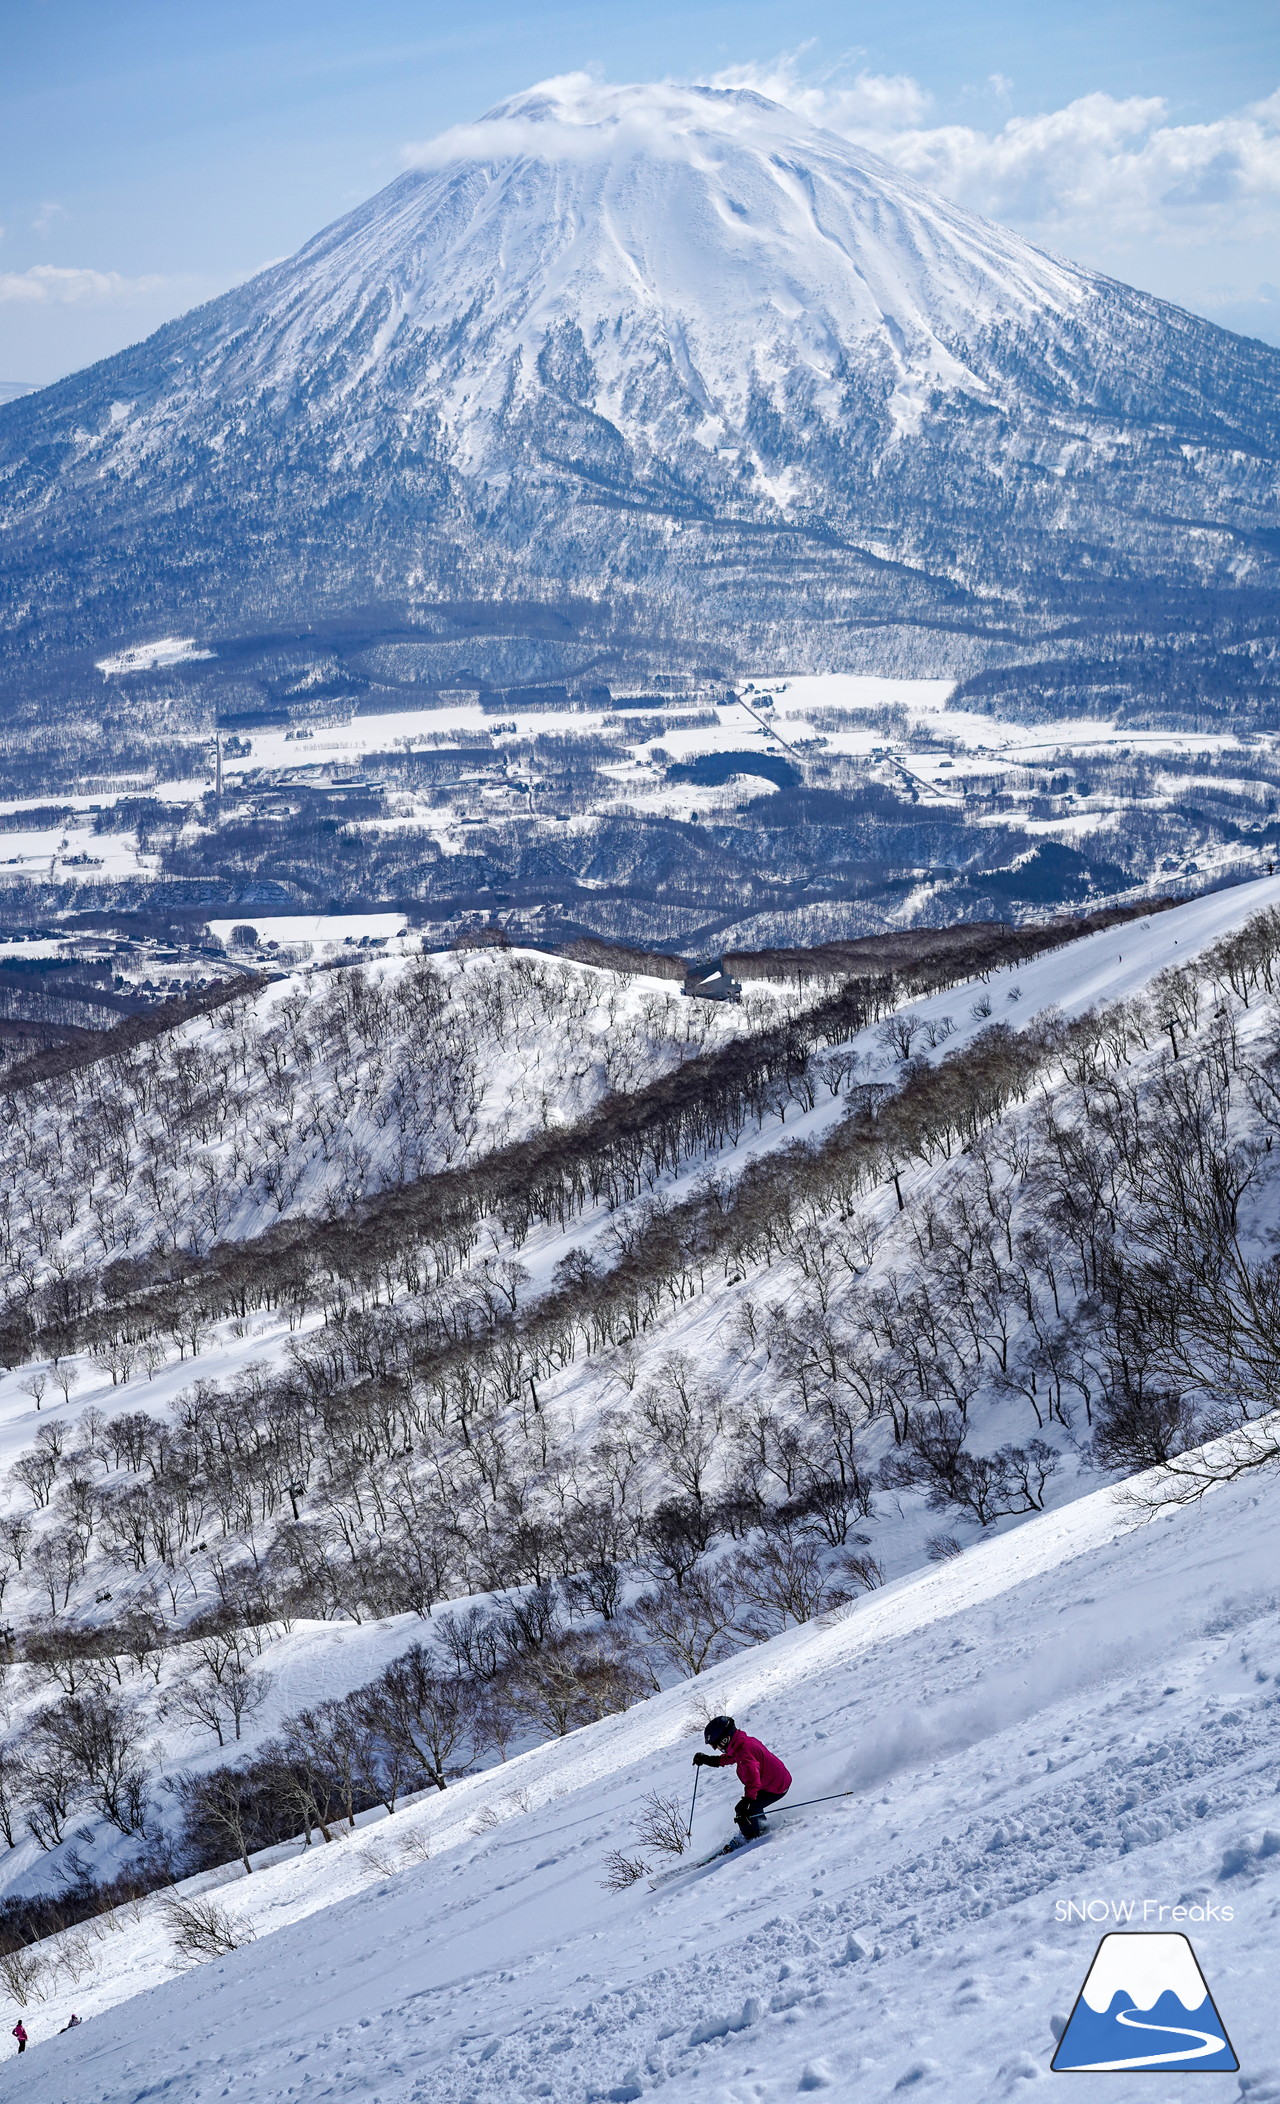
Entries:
{"x":758,"y":1769}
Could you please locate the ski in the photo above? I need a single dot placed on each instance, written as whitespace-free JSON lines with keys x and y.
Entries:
{"x":727,"y":1849}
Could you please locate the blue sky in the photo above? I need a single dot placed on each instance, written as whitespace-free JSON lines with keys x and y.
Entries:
{"x":152,"y":153}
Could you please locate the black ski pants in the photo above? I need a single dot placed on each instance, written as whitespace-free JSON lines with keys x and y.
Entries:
{"x":749,"y":1811}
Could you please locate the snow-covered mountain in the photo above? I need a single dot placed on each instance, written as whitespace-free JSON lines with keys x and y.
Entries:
{"x":684,"y":262}
{"x":684,"y":366}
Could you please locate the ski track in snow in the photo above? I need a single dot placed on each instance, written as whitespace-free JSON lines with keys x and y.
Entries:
{"x":1005,"y":1752}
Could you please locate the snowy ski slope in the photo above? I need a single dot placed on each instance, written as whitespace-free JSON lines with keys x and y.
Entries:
{"x":1015,"y":1752}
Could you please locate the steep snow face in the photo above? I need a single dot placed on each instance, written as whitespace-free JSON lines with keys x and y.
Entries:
{"x":688,"y":252}
{"x":1024,"y":1767}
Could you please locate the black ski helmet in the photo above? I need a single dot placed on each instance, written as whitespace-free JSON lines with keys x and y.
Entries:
{"x":719,"y":1731}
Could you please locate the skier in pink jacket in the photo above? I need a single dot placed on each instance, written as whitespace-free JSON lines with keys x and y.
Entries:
{"x":764,"y":1779}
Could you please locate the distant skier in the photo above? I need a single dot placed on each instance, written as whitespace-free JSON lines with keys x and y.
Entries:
{"x":20,"y":2033}
{"x":764,"y":1779}
{"x":74,"y":2023}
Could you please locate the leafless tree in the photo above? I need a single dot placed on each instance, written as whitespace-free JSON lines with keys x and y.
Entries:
{"x":898,"y":1034}
{"x":58,"y":1560}
{"x":574,"y":1679}
{"x":198,"y":1699}
{"x":783,"y":1580}
{"x":34,"y":1384}
{"x":662,"y":1825}
{"x":15,"y":1533}
{"x":689,"y":1626}
{"x":66,"y":1376}
{"x":622,"y":1870}
{"x":100,"y":1740}
{"x":201,"y":1929}
{"x":50,"y":1792}
{"x":222,"y":1804}
{"x":13,"y":1791}
{"x":430,"y":1716}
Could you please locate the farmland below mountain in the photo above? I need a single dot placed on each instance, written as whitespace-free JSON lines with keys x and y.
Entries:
{"x":793,"y":811}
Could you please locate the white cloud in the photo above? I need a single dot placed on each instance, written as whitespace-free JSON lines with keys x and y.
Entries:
{"x":48,"y":216}
{"x":571,"y":117}
{"x":579,"y":117}
{"x":1097,"y":176}
{"x":52,"y":284}
{"x":1102,"y":169}
{"x":871,"y":102}
{"x":1101,"y":158}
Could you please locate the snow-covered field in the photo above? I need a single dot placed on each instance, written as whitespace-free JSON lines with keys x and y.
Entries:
{"x":313,"y":928}
{"x":770,"y":714}
{"x":74,"y":855}
{"x":152,"y":657}
{"x":841,"y":732}
{"x":845,"y":733}
{"x":1027,"y":1767}
{"x":796,"y":695}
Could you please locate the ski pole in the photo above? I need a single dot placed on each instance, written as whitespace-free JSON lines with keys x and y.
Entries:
{"x":805,"y":1802}
{"x":697,"y":1778}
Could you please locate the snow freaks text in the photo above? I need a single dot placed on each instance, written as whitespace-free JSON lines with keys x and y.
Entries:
{"x":1140,"y":1910}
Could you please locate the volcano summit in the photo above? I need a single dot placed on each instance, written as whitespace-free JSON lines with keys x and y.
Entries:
{"x":670,"y":365}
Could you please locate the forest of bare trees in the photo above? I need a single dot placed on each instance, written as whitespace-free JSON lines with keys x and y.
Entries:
{"x":1039,"y":1250}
